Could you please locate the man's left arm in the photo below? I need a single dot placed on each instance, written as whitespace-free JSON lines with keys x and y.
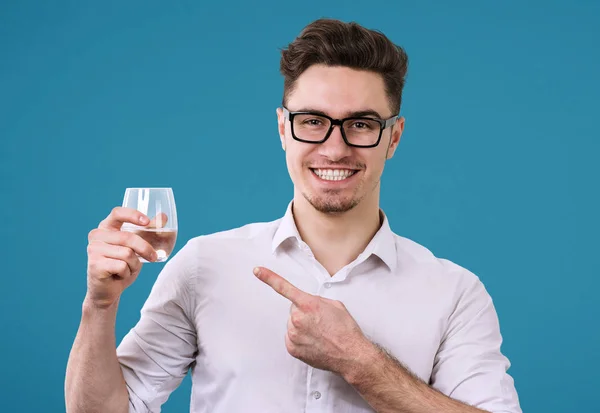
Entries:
{"x":468,"y":367}
{"x":389,"y":387}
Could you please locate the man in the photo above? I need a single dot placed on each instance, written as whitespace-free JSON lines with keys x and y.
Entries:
{"x":341,"y":314}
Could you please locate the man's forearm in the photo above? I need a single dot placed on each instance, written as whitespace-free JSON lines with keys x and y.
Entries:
{"x":390,"y":388}
{"x":94,"y":381}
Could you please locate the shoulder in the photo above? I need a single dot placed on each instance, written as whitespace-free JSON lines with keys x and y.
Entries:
{"x":415,"y":258}
{"x":219,"y":248}
{"x":440,"y":281}
{"x":249,"y":234}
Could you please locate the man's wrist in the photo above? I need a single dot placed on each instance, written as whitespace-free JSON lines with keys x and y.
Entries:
{"x":366,"y":360}
{"x":90,"y":311}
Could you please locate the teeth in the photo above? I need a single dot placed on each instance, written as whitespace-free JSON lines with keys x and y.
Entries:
{"x":333,"y":174}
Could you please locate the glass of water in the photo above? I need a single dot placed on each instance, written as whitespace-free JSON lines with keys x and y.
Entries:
{"x":158,"y":204}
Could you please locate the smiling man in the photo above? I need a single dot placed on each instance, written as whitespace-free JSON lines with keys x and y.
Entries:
{"x":341,"y":314}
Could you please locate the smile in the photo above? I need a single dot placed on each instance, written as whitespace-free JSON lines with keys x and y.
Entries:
{"x":333,"y":174}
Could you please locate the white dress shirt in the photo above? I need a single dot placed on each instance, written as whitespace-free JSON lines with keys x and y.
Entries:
{"x":207,"y":312}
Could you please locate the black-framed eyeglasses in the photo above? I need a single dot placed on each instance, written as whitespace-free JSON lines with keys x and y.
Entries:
{"x":360,"y":132}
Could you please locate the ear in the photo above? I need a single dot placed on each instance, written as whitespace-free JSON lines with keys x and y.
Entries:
{"x":281,"y":127}
{"x":397,"y":130}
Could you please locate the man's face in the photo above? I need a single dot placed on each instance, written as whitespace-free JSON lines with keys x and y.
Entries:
{"x":338,"y":92}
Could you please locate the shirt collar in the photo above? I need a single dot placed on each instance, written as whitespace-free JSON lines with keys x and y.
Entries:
{"x":286,"y":229}
{"x":382,"y":245}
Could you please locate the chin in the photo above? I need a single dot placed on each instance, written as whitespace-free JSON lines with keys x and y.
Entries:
{"x":332,"y":204}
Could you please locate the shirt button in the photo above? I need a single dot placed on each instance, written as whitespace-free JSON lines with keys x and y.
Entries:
{"x":316,"y":395}
{"x":327,"y":285}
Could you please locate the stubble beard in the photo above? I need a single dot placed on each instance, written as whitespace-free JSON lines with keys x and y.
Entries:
{"x":332,"y":203}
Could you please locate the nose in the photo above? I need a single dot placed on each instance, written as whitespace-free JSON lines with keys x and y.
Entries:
{"x":335,"y":148}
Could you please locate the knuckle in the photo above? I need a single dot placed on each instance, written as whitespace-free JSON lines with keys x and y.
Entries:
{"x":93,"y":234}
{"x":124,"y":238}
{"x":293,"y":334}
{"x":135,"y":266}
{"x":93,"y":258}
{"x":115,"y":211}
{"x":291,"y":348}
{"x":121,"y":267}
{"x":95,"y":265}
{"x":310,"y":305}
{"x":130,"y":254}
{"x":296,"y":319}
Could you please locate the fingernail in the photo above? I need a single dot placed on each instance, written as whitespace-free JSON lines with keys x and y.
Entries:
{"x":143,"y":220}
{"x":256,"y":270}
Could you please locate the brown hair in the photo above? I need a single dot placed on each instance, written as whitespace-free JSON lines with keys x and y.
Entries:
{"x":336,"y":43}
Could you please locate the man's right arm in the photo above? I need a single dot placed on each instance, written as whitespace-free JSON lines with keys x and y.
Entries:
{"x":94,"y":381}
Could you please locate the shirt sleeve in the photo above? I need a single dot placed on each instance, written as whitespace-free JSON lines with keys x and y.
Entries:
{"x":157,"y":353}
{"x":469,"y":365}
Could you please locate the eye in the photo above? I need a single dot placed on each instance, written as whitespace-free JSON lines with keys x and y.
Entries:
{"x":361,"y":124}
{"x":313,"y":122}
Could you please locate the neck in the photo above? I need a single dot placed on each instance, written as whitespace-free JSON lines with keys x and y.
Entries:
{"x":337,"y":239}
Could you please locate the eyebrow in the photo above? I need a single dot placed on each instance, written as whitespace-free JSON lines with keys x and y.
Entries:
{"x":355,"y":114}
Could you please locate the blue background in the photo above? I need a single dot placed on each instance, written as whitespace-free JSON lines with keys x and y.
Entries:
{"x":498,"y":168}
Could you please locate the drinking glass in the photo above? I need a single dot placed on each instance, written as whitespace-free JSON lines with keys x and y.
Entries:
{"x":158,"y":204}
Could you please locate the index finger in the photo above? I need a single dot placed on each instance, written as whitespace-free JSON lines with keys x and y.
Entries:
{"x":281,"y":285}
{"x":119,"y":215}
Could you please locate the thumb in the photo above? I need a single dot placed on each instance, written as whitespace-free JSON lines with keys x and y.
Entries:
{"x":159,"y":221}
